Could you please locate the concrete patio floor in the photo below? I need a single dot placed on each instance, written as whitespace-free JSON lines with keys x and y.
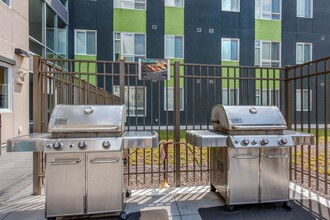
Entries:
{"x":16,"y":201}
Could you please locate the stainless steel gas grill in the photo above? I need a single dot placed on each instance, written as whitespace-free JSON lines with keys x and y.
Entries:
{"x":85,"y":159}
{"x":249,"y":153}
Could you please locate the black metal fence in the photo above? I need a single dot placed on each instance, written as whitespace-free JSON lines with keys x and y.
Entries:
{"x":185,"y":102}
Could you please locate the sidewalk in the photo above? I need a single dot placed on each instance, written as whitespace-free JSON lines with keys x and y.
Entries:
{"x":185,"y":203}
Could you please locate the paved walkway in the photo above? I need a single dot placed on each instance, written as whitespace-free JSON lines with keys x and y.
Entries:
{"x":16,"y":201}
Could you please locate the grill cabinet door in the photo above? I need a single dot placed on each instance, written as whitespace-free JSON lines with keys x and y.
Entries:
{"x":104,"y":182}
{"x":65,"y":184}
{"x":274,"y":174}
{"x":244,"y":176}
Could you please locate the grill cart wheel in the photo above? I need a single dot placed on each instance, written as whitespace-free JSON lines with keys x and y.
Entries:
{"x":230,"y":208}
{"x":212,"y":188}
{"x":287,"y":205}
{"x":123,"y":216}
{"x":128,"y":193}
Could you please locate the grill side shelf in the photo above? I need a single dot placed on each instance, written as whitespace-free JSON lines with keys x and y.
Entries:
{"x":300,"y":138}
{"x":140,"y":139}
{"x":204,"y":138}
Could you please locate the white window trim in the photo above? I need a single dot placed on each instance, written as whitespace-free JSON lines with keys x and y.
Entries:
{"x":312,"y":10}
{"x":311,"y":51}
{"x":270,"y":98}
{"x":167,"y":5}
{"x":9,"y":3}
{"x":260,"y":53}
{"x":311,"y":98}
{"x":239,"y":7}
{"x":259,"y":16}
{"x":181,"y":98}
{"x":166,"y":57}
{"x":228,"y":90}
{"x":121,"y":45}
{"x":121,"y":5}
{"x":133,"y":108}
{"x":10,"y":85}
{"x":238,"y":48}
{"x":75,"y":45}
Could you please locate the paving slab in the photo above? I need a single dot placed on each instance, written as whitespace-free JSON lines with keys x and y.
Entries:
{"x":14,"y":173}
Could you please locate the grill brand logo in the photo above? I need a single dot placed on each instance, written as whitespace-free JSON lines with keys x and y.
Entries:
{"x":236,"y":120}
{"x":61,"y":121}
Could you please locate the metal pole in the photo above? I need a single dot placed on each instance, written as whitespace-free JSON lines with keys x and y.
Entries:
{"x":37,"y":156}
{"x":288,"y":101}
{"x":177,"y":122}
{"x":122,"y":80}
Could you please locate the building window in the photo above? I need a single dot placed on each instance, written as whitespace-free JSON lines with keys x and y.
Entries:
{"x":230,"y":49}
{"x":230,"y":96}
{"x":174,"y":3}
{"x":7,"y":2}
{"x":129,"y":46}
{"x":85,"y":42}
{"x":169,"y":99}
{"x":304,"y":99}
{"x":173,"y":46}
{"x":303,"y":52}
{"x":230,"y":5}
{"x":273,"y":97}
{"x":268,"y":9}
{"x":130,"y":4}
{"x":135,"y":100}
{"x":267,"y":54}
{"x":5,"y":87}
{"x":305,"y":8}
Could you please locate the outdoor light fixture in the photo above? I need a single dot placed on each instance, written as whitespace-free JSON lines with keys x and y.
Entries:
{"x":22,"y":52}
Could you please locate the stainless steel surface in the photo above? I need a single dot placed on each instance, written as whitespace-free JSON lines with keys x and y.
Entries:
{"x":32,"y":142}
{"x":274,"y":178}
{"x":76,"y":120}
{"x":204,"y":138}
{"x":257,"y":141}
{"x":65,"y":188}
{"x":105,"y":188}
{"x":300,"y":138}
{"x":140,"y":139}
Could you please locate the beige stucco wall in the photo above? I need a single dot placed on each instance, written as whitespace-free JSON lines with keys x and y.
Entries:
{"x":14,"y":33}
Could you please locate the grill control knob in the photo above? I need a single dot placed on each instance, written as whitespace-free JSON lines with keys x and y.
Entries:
{"x":254,"y":142}
{"x":283,"y":141}
{"x":82,"y":145}
{"x":245,"y":141}
{"x":58,"y":146}
{"x":106,"y":144}
{"x":264,"y":141}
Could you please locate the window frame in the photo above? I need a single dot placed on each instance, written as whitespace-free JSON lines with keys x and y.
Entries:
{"x":116,"y":92}
{"x":261,"y":60}
{"x":259,"y":12}
{"x":9,"y":89}
{"x":165,"y":50}
{"x":120,"y":2}
{"x":75,"y":42}
{"x":228,"y":101}
{"x":168,"y":5}
{"x":298,"y":107}
{"x":238,"y":49}
{"x":311,"y":10}
{"x":122,"y":56}
{"x":231,"y":1}
{"x":310,"y":51}
{"x":259,"y":101}
{"x":181,"y":98}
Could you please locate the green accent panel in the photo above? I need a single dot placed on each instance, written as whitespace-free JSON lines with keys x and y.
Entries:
{"x":270,"y":74}
{"x":83,"y":67}
{"x":268,"y":30}
{"x":174,"y":21}
{"x":171,"y":81}
{"x":232,"y":72}
{"x":128,"y":20}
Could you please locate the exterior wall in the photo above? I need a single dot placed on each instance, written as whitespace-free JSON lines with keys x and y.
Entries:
{"x":14,"y":33}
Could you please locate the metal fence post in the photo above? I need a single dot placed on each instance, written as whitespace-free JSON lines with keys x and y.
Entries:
{"x":122,"y":80}
{"x":177,"y":122}
{"x":37,"y":118}
{"x":288,"y":100}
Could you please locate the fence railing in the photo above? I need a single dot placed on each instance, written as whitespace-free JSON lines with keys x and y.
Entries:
{"x":185,"y":102}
